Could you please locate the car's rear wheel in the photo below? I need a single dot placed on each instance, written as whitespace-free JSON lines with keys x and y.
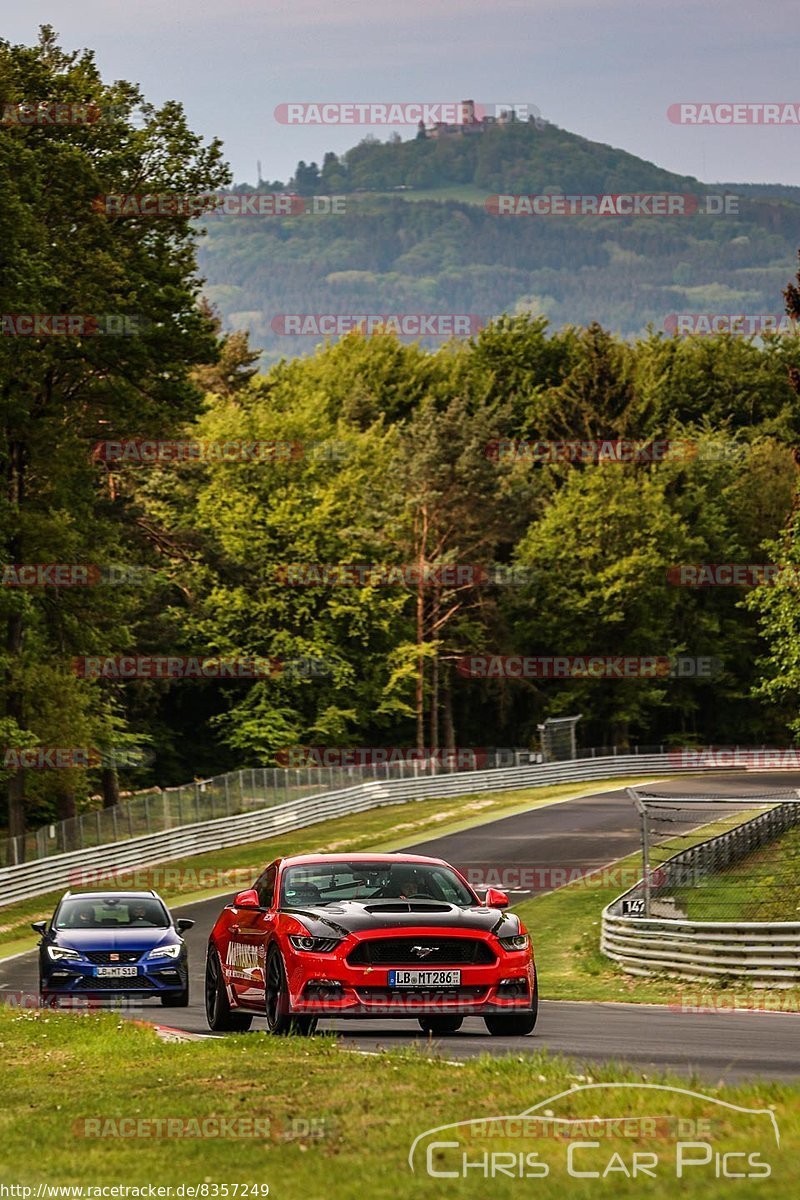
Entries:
{"x":517,"y":1024}
{"x":440,"y":1025}
{"x":280,"y":1021}
{"x":219,"y":1014}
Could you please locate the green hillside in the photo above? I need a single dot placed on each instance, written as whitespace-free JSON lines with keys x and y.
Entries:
{"x":445,"y":253}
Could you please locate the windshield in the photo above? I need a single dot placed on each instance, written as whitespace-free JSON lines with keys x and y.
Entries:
{"x":109,"y":912}
{"x":329,"y":883}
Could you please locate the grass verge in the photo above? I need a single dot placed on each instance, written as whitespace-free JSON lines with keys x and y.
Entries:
{"x":381,"y":829}
{"x":764,"y":886}
{"x":565,"y":927}
{"x":339,"y":1125}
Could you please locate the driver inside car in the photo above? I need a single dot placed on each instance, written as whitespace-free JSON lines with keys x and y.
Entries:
{"x":406,"y":883}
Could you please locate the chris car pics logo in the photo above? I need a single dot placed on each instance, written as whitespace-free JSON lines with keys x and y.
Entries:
{"x":621,"y":1131}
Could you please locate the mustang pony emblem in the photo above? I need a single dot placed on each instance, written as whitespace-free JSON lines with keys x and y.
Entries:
{"x":423,"y":951}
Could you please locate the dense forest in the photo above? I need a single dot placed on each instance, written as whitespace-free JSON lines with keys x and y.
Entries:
{"x":370,"y":453}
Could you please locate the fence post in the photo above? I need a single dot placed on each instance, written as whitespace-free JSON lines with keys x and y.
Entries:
{"x":228,"y":796}
{"x":147,"y":809}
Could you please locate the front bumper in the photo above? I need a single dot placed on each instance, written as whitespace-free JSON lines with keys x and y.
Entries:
{"x":79,"y":979}
{"x":328,"y":986}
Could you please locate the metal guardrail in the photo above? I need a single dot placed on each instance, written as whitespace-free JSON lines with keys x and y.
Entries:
{"x":59,"y":871}
{"x":761,"y":952}
{"x":251,"y":789}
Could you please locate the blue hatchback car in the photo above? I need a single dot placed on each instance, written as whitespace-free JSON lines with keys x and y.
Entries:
{"x":113,"y":944}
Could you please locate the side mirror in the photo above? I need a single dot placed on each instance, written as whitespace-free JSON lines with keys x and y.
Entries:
{"x":246,"y":899}
{"x":183,"y":923}
{"x":39,"y":927}
{"x":495,"y":898}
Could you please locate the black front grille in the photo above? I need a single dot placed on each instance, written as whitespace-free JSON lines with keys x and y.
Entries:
{"x":397,"y":951}
{"x":108,"y":958}
{"x":92,"y":983}
{"x":417,"y":996}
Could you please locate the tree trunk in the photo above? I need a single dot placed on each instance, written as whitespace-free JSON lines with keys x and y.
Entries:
{"x":66,"y":812}
{"x":434,"y":717}
{"x":110,"y":783}
{"x":422,"y":534}
{"x":14,"y":639}
{"x":447,"y":708}
{"x":14,"y":709}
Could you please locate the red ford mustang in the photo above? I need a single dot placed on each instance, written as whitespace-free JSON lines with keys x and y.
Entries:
{"x":369,"y":935}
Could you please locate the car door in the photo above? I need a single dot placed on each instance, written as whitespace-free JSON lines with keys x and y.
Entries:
{"x":249,"y":930}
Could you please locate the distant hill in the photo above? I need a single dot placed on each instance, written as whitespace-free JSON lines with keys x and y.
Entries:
{"x":445,"y":253}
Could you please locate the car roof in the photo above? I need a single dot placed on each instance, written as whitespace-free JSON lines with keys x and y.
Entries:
{"x":299,"y":859}
{"x":111,"y":895}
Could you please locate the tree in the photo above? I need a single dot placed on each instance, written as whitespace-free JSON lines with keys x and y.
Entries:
{"x":60,"y":394}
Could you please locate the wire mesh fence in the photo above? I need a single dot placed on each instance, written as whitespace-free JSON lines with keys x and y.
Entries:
{"x":248,"y":790}
{"x":718,"y":859}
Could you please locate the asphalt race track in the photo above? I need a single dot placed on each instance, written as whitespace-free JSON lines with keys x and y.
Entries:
{"x":585,"y":833}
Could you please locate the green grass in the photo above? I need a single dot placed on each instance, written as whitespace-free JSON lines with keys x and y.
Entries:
{"x":380,"y":829}
{"x":61,"y":1070}
{"x":764,"y":886}
{"x":565,"y":927}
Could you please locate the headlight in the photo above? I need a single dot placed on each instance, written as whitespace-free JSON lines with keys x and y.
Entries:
{"x":57,"y":953}
{"x":313,"y":945}
{"x":519,"y":941}
{"x":166,"y":951}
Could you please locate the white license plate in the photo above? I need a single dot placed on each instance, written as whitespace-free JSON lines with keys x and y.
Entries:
{"x":117,"y":972}
{"x":424,"y":979}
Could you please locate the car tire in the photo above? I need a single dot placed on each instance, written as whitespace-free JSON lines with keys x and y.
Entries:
{"x":176,"y":999}
{"x":438,"y":1026}
{"x":517,"y":1024}
{"x":219,"y":1015}
{"x":276,"y":1001}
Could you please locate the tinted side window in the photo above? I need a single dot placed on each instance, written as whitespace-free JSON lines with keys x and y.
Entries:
{"x":266,"y":887}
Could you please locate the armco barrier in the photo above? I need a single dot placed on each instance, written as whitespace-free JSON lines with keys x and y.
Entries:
{"x":44,"y":875}
{"x":765,"y":953}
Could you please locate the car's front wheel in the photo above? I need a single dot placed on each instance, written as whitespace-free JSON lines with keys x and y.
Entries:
{"x":279,"y":1019}
{"x":440,"y":1025}
{"x":516,"y":1024}
{"x":46,"y":999}
{"x":176,"y":999}
{"x":219,"y":1014}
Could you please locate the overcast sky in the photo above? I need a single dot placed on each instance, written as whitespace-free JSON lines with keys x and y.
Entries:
{"x":607,"y":69}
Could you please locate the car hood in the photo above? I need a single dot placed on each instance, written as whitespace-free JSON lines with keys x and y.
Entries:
{"x":114,"y":939}
{"x":353,"y":916}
